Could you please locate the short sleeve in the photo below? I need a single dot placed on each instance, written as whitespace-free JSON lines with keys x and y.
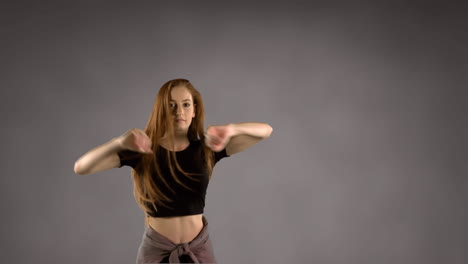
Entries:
{"x":129,"y":158}
{"x":219,"y":155}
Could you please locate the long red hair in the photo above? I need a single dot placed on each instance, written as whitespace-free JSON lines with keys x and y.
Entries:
{"x":147,"y":194}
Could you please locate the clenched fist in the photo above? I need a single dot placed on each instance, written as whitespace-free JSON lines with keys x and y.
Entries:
{"x":136,"y":140}
{"x":217,"y":137}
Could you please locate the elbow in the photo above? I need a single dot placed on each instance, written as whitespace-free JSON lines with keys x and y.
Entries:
{"x":78,"y":169}
{"x":269,"y":131}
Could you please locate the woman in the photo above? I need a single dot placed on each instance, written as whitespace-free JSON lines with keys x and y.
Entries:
{"x":172,"y":161}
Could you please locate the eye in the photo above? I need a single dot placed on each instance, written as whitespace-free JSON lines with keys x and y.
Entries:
{"x":187,"y":104}
{"x":172,"y":105}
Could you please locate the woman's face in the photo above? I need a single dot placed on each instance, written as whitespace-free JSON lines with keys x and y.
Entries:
{"x":183,"y":110}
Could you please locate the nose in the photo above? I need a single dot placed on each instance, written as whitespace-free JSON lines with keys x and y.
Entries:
{"x":178,"y":111}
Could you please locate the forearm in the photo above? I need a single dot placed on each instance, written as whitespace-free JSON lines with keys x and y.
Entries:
{"x":93,"y":157}
{"x":261,"y":130}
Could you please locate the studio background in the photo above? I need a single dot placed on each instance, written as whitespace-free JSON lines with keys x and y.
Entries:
{"x":366,"y":163}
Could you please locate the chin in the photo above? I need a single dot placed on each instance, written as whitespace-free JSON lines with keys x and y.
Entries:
{"x":180,"y":130}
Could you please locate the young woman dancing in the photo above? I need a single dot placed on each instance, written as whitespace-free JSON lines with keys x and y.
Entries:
{"x":172,"y":161}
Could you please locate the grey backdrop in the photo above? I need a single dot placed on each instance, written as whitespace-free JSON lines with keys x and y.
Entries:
{"x":366,"y":164}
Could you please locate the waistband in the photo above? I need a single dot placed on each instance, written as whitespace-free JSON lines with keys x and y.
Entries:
{"x":174,"y":250}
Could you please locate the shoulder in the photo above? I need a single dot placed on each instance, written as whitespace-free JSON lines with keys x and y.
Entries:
{"x":200,"y":144}
{"x":196,"y":143}
{"x":129,"y":158}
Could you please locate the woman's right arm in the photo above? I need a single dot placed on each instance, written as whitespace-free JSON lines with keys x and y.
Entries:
{"x":101,"y":158}
{"x":105,"y":157}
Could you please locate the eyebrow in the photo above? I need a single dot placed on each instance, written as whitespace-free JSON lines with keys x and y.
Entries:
{"x":182,"y":100}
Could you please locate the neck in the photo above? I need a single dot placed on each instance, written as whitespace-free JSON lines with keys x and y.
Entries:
{"x":179,"y":139}
{"x":182,"y":138}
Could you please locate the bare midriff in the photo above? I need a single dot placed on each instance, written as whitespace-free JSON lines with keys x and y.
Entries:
{"x":178,"y":229}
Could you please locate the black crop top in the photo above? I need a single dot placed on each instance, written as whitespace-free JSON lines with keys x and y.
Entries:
{"x":184,"y":201}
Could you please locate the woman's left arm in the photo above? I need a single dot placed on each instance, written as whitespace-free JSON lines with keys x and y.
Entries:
{"x":236,"y":137}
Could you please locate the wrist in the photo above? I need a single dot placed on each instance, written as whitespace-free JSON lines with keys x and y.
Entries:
{"x":233,"y":129}
{"x":117,"y":143}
